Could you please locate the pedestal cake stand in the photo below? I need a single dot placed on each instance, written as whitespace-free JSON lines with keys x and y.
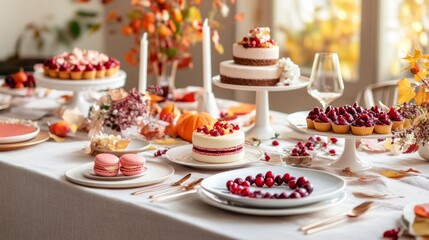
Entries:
{"x":80,"y":86}
{"x":262,"y":128}
{"x":349,"y":157}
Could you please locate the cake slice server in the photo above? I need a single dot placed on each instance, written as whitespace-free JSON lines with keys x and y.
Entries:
{"x":190,"y":186}
{"x":164,"y":185}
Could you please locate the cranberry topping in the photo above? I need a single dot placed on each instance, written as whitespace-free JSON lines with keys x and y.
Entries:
{"x":219,"y":128}
{"x":100,"y":67}
{"x":383,"y":119}
{"x":364,"y":120}
{"x":76,"y":68}
{"x":48,"y":62}
{"x":322,"y":118}
{"x":341,"y":120}
{"x":89,"y":67}
{"x":63,"y":68}
{"x":395,"y":115}
{"x":348,"y":117}
{"x":53,"y":66}
{"x":332,"y":115}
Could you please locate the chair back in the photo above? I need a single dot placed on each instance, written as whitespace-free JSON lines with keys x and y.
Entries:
{"x":385,"y":92}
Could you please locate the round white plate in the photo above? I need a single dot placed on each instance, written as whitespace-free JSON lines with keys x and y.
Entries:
{"x":157,"y":172}
{"x":302,"y":82}
{"x":409,"y":215}
{"x":298,"y":122}
{"x":326,"y":186}
{"x":12,"y":91}
{"x":136,"y":145}
{"x":233,"y":207}
{"x":89,"y":173}
{"x":20,"y":138}
{"x":183,"y":155}
{"x":111,"y":82}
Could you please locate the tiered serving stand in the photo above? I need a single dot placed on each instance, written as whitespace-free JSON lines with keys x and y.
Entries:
{"x":262,"y":128}
{"x":349,"y":157}
{"x":79,"y":87}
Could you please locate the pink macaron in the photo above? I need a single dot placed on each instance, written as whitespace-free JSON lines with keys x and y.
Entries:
{"x":106,"y":165}
{"x":132,"y":164}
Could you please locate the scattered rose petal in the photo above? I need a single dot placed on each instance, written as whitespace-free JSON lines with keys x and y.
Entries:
{"x":369,"y":195}
{"x":409,"y":170}
{"x":393,"y":173}
{"x":348,"y":172}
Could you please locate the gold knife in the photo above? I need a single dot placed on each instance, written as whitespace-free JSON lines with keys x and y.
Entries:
{"x":190,"y":186}
{"x":164,"y":185}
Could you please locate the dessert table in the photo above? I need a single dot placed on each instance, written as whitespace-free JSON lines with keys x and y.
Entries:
{"x":37,"y":202}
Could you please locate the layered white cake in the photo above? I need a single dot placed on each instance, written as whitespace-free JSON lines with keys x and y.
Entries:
{"x":218,"y":143}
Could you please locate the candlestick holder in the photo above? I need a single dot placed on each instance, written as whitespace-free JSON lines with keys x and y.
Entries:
{"x":207,"y":103}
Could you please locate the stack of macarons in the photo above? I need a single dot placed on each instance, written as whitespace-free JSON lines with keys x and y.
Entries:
{"x":108,"y":165}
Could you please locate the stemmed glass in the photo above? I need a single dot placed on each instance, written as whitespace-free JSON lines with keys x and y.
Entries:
{"x":326,"y":82}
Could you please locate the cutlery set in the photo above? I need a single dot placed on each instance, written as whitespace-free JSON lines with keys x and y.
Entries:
{"x":176,"y":190}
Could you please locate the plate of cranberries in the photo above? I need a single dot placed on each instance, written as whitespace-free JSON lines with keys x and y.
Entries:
{"x":18,"y":84}
{"x":274,"y":186}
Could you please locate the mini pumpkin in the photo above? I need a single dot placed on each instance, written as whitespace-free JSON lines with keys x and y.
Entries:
{"x":190,"y":121}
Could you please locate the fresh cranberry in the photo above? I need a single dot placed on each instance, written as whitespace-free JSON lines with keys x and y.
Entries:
{"x":309,"y":187}
{"x":286,"y":177}
{"x":333,"y":140}
{"x":267,"y":195}
{"x":308,"y":144}
{"x":269,"y":182}
{"x":292,"y":184}
{"x":250,"y":179}
{"x":295,"y":195}
{"x":269,"y":174}
{"x":245,"y":184}
{"x":260,"y":175}
{"x":238,"y":190}
{"x":301,"y":181}
{"x":245,"y":191}
{"x":332,"y":152}
{"x":267,"y":157}
{"x":259,"y":181}
{"x":302,"y":191}
{"x":283,"y":195}
{"x":279,"y":180}
{"x":229,"y":183}
{"x":232,"y":187}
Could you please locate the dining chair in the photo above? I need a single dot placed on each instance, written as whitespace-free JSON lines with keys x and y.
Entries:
{"x":385,"y":92}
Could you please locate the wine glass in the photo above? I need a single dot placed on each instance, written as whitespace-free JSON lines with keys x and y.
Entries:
{"x":326,"y":83}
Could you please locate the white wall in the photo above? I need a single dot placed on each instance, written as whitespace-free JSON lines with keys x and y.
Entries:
{"x":16,"y":14}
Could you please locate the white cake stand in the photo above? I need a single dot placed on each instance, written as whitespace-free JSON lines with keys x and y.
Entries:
{"x":262,"y":128}
{"x":79,"y":87}
{"x":349,"y":157}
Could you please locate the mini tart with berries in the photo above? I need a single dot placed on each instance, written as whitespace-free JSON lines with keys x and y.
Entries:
{"x":363,"y":125}
{"x":89,"y":72}
{"x":322,"y":123}
{"x":63,"y":72}
{"x":340,"y":125}
{"x":383,"y":124}
{"x":221,"y":142}
{"x":76,"y":73}
{"x":397,"y":119}
{"x":312,"y":115}
{"x":256,"y":49}
{"x":298,"y":156}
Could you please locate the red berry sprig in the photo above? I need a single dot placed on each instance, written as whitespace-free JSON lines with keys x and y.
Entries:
{"x":220,"y":128}
{"x":267,"y":157}
{"x":392,"y":234}
{"x":160,"y":152}
{"x":301,"y":186}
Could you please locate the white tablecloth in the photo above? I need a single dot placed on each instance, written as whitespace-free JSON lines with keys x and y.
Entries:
{"x":37,"y":202}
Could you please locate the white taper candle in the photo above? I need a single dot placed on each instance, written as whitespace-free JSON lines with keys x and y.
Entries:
{"x":207,"y":63}
{"x":143,"y":63}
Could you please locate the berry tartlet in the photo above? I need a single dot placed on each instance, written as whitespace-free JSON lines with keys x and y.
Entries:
{"x":383,"y":124}
{"x":297,"y":156}
{"x":322,"y":123}
{"x":397,"y":119}
{"x":363,"y":125}
{"x":312,"y":115}
{"x":341,"y":125}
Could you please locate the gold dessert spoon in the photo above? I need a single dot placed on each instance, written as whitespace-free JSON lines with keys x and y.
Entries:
{"x":190,"y":186}
{"x":164,"y":185}
{"x":332,"y":221}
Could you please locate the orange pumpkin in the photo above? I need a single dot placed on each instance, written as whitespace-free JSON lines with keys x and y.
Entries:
{"x":190,"y":121}
{"x":169,"y":113}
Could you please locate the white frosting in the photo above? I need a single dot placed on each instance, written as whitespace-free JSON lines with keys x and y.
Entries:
{"x":255,"y":53}
{"x":262,"y":33}
{"x":232,"y":70}
{"x":201,"y":140}
{"x":289,"y":72}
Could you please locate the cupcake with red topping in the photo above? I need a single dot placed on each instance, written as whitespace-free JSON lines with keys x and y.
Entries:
{"x":312,"y":115}
{"x":53,"y":69}
{"x":100,"y":71}
{"x":63,"y":72}
{"x":322,"y":123}
{"x":340,"y":125}
{"x":397,"y":119}
{"x":46,"y":65}
{"x":76,"y":72}
{"x":110,"y":68}
{"x":363,"y":125}
{"x":383,"y":124}
{"x":89,"y":72}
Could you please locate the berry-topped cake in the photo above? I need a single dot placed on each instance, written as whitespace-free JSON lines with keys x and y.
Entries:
{"x":221,"y":142}
{"x":256,"y":49}
{"x":383,"y":124}
{"x":363,"y":125}
{"x":322,"y":123}
{"x":397,"y":119}
{"x":81,"y":64}
{"x":256,"y":62}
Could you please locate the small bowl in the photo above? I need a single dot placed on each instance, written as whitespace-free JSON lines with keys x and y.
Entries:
{"x":298,"y":161}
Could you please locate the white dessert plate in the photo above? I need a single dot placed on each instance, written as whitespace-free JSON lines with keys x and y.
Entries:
{"x":136,"y":145}
{"x":302,"y":82}
{"x":12,"y":91}
{"x":89,"y":173}
{"x":298,"y":122}
{"x":183,"y":155}
{"x":409,"y":215}
{"x":18,"y":137}
{"x":326,"y":186}
{"x":157,"y":172}
{"x":215,"y":201}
